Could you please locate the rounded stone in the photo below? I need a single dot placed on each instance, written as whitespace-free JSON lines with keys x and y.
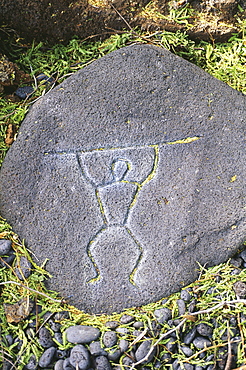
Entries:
{"x":181,"y":306}
{"x":96,"y":349}
{"x":126,"y":319}
{"x":185,"y":295}
{"x":79,"y":357}
{"x":67,"y":365}
{"x":123,"y":345}
{"x":82,"y":334}
{"x":45,"y":338}
{"x":112,"y":324}
{"x":5,"y":246}
{"x":47,"y":357}
{"x":24,"y":269}
{"x":163,"y":314}
{"x":204,"y":329}
{"x":201,"y":342}
{"x":143,"y":351}
{"x":140,"y":158}
{"x":32,"y":363}
{"x":102,"y":363}
{"x":59,"y":365}
{"x":110,"y":338}
{"x":186,"y":351}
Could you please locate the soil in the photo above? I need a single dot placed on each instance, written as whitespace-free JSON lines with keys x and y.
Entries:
{"x":60,"y":20}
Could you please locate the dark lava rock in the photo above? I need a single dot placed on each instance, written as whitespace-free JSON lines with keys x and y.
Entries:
{"x":59,"y":365}
{"x":109,"y":338}
{"x":80,"y":357}
{"x":45,"y":338}
{"x":32,"y":363}
{"x":24,"y":92}
{"x":82,"y":334}
{"x":24,"y":269}
{"x":5,"y":246}
{"x":204,"y":329}
{"x":133,"y":170}
{"x":123,"y":345}
{"x":201,"y":342}
{"x":47,"y":357}
{"x":126,"y":319}
{"x":143,"y":350}
{"x":102,"y":363}
{"x":188,"y":338}
{"x":96,"y":349}
{"x":67,"y":365}
{"x":112,"y":324}
{"x":163,"y":314}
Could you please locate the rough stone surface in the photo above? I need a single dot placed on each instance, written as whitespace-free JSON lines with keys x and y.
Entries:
{"x":80,"y":357}
{"x":126,"y":175}
{"x":5,"y":246}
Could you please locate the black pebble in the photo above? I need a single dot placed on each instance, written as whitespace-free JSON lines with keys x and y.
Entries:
{"x":45,"y":338}
{"x":102,"y":363}
{"x":47,"y":357}
{"x":24,"y":92}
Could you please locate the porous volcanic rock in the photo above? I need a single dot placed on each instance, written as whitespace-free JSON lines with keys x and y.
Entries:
{"x":126,"y":175}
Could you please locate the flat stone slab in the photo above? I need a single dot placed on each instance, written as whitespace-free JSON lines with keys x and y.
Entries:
{"x":128,"y":174}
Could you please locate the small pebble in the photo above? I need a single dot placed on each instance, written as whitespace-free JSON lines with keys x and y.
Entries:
{"x":237,"y":262}
{"x":185,"y":295}
{"x":96,"y":349}
{"x":67,"y":365}
{"x":188,"y":338}
{"x":45,"y":338}
{"x":127,"y":361}
{"x":171,"y":345}
{"x":102,"y":363}
{"x":123,"y":345}
{"x":175,"y":364}
{"x":5,"y":246}
{"x":243,"y":255}
{"x":55,"y":326}
{"x":79,"y":357}
{"x":112,"y":324}
{"x":122,"y":331}
{"x":58,"y":337}
{"x":82,"y":334}
{"x":181,"y":307}
{"x":192,"y":306}
{"x":59,"y":365}
{"x":240,"y":289}
{"x":163,"y":314}
{"x":138,"y":325}
{"x":24,"y":92}
{"x":24,"y":269}
{"x":201,"y":342}
{"x":59,"y":316}
{"x":47,"y":357}
{"x":143,"y":350}
{"x":204,"y":330}
{"x":186,"y":351}
{"x":109,"y":339}
{"x":126,"y":319}
{"x":62,"y":353}
{"x":114,"y":356}
{"x":32,"y":363}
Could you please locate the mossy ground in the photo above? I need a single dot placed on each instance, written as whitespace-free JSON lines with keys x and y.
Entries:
{"x":225,"y":61}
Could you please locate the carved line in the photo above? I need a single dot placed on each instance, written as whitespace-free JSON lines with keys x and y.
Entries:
{"x":139,"y":187}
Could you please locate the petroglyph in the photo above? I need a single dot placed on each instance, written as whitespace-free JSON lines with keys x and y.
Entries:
{"x":117,"y":176}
